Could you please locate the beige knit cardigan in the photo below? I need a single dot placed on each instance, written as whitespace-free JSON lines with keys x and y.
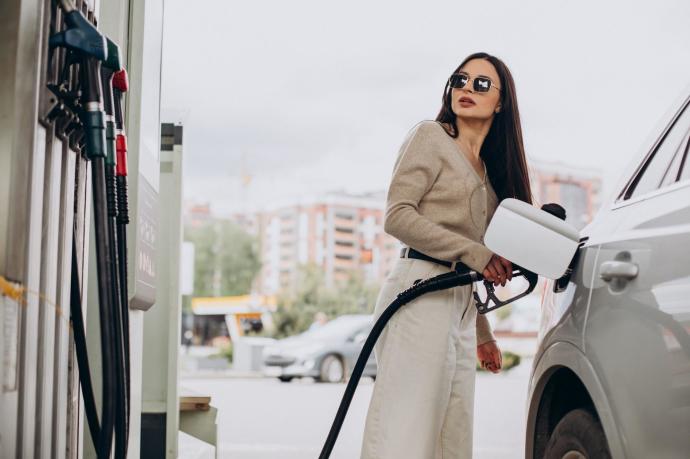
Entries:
{"x":439,"y":205}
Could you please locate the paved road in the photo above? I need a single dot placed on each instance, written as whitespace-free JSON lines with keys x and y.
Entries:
{"x":263,"y":418}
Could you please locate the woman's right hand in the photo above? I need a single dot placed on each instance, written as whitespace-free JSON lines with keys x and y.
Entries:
{"x":498,"y":270}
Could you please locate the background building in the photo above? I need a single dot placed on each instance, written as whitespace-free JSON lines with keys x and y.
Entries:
{"x":577,"y":189}
{"x":341,"y":232}
{"x":197,"y":214}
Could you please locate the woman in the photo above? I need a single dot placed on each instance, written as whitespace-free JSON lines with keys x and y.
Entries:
{"x":448,"y":179}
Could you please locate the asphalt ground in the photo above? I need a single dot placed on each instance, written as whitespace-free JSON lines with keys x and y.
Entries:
{"x":261,"y":418}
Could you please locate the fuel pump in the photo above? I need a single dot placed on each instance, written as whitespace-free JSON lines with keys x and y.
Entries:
{"x":63,"y":215}
{"x":89,"y":49}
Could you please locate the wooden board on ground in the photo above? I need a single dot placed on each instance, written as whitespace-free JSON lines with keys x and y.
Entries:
{"x":191,"y":401}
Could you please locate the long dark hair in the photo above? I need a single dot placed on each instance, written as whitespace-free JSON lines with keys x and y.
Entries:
{"x":503,"y":151}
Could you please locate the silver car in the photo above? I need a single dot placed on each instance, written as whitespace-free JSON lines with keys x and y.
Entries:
{"x":327,"y":353}
{"x":611,"y":377}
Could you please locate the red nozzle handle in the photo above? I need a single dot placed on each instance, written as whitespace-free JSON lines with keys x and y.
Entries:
{"x":121,"y":148}
{"x":120,"y":81}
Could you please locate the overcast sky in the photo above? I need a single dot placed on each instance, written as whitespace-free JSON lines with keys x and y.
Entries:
{"x":312,"y":96}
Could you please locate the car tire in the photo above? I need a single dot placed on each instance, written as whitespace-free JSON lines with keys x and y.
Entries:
{"x":285,"y":378}
{"x":332,"y":369}
{"x":578,"y":435}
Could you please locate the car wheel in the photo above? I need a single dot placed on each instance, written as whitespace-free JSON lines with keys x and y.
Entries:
{"x":578,"y":435}
{"x":285,"y":378}
{"x":332,"y":369}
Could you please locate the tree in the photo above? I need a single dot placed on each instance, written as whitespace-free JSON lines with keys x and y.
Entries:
{"x":297,"y":307}
{"x":226,"y":258}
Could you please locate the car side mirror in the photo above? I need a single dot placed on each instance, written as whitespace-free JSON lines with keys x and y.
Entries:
{"x":532,"y":238}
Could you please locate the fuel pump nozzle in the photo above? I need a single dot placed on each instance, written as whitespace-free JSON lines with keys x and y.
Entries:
{"x":80,"y":36}
{"x":111,"y":67}
{"x":492,"y":301}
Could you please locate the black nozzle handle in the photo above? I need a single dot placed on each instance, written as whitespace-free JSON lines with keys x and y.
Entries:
{"x":486,"y":306}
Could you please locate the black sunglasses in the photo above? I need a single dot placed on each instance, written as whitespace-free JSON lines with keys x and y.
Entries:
{"x":481,"y":83}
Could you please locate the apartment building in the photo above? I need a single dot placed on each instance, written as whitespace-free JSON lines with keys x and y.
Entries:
{"x":343,"y":232}
{"x":577,"y":189}
{"x":340,"y":232}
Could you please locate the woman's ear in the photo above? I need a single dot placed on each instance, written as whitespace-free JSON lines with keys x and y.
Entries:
{"x":498,"y":109}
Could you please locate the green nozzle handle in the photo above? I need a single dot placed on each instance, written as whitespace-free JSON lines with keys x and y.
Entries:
{"x":110,"y":159}
{"x":94,"y":133}
{"x":113,"y":62}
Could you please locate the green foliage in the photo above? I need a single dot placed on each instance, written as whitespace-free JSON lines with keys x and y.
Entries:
{"x":296,"y":309}
{"x":186,"y":303}
{"x":226,"y":259}
{"x":504,"y":312}
{"x":226,"y":352}
{"x":509,"y":360}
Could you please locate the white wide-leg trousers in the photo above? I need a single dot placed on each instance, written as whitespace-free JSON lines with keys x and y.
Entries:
{"x":423,"y":398}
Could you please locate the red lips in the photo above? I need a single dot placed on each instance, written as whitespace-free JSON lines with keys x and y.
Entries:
{"x":467,"y":100}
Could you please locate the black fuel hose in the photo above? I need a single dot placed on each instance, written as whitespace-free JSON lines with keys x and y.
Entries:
{"x":462,"y":275}
{"x":93,"y":120}
{"x":119,"y":302}
{"x":120,"y":85}
{"x":104,"y":277}
{"x":121,"y":421}
{"x":79,"y":331}
{"x":123,"y":220}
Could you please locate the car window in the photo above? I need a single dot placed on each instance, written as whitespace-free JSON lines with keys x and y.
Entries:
{"x":685,"y":162}
{"x":672,"y":173}
{"x":660,"y":164}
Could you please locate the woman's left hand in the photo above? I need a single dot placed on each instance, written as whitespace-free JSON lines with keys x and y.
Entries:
{"x":490,"y":356}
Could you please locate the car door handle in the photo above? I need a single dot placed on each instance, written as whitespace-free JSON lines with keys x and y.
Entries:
{"x":610,"y":270}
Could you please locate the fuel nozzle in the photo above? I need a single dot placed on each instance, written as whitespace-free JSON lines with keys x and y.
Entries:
{"x":121,"y":81}
{"x":80,"y":36}
{"x":120,"y":86}
{"x":121,"y":148}
{"x":91,"y":48}
{"x":110,"y":67}
{"x":492,"y":301}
